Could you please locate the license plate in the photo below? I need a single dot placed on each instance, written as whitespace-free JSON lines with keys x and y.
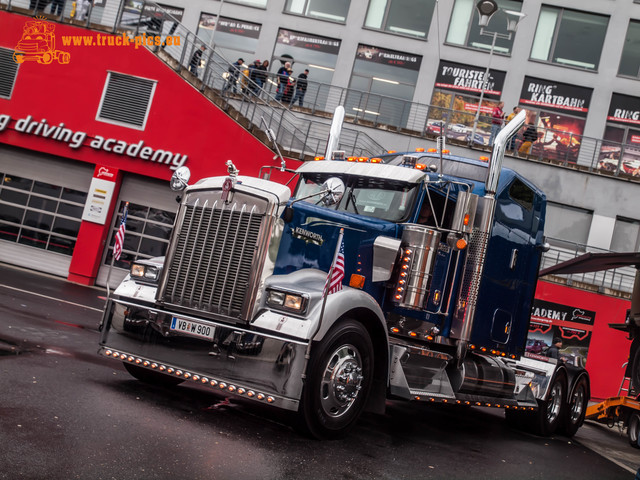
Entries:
{"x":195,"y":329}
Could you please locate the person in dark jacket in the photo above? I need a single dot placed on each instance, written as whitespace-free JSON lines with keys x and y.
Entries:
{"x":232,"y":75}
{"x":554,"y":350}
{"x":283,"y":79}
{"x":196,"y":58}
{"x":301,"y":88}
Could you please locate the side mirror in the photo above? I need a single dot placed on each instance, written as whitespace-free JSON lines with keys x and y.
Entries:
{"x":180,"y":179}
{"x":333,"y":189}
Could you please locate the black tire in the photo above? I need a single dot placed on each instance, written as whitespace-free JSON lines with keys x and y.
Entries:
{"x":551,"y":412}
{"x":576,"y":408}
{"x":633,"y":427}
{"x":339,"y":378}
{"x":634,"y":371}
{"x":151,"y":377}
{"x":548,"y":417}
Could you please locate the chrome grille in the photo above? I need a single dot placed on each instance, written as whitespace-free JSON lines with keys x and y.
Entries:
{"x":211,"y":266}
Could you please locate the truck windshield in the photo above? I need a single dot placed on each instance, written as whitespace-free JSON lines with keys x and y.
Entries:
{"x":371,"y":197}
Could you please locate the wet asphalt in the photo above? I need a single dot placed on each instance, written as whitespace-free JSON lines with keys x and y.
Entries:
{"x":67,"y":413}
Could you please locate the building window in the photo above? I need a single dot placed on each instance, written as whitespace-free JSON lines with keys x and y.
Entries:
{"x":465,"y":31}
{"x":567,"y":226}
{"x":126,"y":100}
{"x":405,"y":17}
{"x":331,"y":10}
{"x":382,"y":86}
{"x":569,"y":37}
{"x":233,"y":38}
{"x":147,"y":234}
{"x":8,"y":71}
{"x":251,"y":3}
{"x":626,"y":235}
{"x":630,"y":61}
{"x":40,"y":214}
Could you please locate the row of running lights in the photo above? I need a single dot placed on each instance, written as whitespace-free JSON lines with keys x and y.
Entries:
{"x":477,"y":404}
{"x":189,"y":376}
{"x":339,"y":155}
{"x":431,"y":338}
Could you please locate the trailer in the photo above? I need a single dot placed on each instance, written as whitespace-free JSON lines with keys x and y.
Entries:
{"x":620,"y":410}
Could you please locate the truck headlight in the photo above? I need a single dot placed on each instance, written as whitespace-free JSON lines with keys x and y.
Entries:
{"x":286,"y":301}
{"x":146,"y":272}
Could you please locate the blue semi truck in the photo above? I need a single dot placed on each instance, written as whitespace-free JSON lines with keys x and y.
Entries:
{"x":405,"y":277}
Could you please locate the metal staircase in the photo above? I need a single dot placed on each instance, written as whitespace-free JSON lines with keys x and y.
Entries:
{"x":298,"y":136}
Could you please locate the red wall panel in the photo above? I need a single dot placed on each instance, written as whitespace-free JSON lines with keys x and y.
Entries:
{"x":181,"y":119}
{"x":609,"y":348}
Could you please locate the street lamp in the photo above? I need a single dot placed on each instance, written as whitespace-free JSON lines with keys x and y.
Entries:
{"x":486,"y":9}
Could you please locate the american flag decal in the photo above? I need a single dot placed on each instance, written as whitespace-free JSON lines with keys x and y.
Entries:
{"x":117,"y":247}
{"x":336,"y":274}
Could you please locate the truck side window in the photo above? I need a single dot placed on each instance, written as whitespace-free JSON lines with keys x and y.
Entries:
{"x":521,"y":194}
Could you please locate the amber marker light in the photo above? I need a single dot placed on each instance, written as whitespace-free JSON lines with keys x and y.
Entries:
{"x":420,"y":166}
{"x":318,"y":158}
{"x":484,"y":159}
{"x":432,"y":150}
{"x":461,"y":244}
{"x":391,"y":151}
{"x":446,"y":150}
{"x":466,"y":219}
{"x":413,"y":334}
{"x":363,"y":159}
{"x":395,"y":330}
{"x":376,"y":160}
{"x":420,"y":150}
{"x":356,"y":281}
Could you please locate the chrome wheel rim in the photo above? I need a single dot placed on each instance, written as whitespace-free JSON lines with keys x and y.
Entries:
{"x":555,"y":399}
{"x":341,"y":381}
{"x":577,"y":405}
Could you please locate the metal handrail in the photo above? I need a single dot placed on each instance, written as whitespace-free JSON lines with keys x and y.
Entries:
{"x":617,"y":279}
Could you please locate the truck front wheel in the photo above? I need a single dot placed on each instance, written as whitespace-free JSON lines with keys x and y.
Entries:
{"x":338,"y":381}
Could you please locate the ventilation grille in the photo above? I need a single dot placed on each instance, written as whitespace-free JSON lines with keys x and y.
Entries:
{"x":126,"y":100}
{"x":8,"y":70}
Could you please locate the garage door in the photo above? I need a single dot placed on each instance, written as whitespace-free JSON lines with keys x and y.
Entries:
{"x":41,"y":203}
{"x":152,"y":210}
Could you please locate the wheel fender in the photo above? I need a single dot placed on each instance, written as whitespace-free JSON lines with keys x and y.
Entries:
{"x":574,"y":374}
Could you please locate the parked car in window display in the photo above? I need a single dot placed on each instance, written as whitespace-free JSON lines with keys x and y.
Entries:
{"x":536,"y":346}
{"x":458,"y":128}
{"x":478,"y":139}
{"x":435,"y":127}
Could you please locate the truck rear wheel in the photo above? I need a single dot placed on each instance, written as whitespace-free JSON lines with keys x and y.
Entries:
{"x":576,"y":409}
{"x":551,"y":411}
{"x":633,"y":427}
{"x":151,"y":377}
{"x":339,"y":378}
{"x":550,"y":414}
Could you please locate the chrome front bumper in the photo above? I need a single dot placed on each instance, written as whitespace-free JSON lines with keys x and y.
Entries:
{"x":256,"y":365}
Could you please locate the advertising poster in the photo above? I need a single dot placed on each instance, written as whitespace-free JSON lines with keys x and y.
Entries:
{"x":621,"y":142}
{"x":562,"y":110}
{"x":572,"y":324}
{"x":388,"y":57}
{"x":308,"y":41}
{"x":469,"y":79}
